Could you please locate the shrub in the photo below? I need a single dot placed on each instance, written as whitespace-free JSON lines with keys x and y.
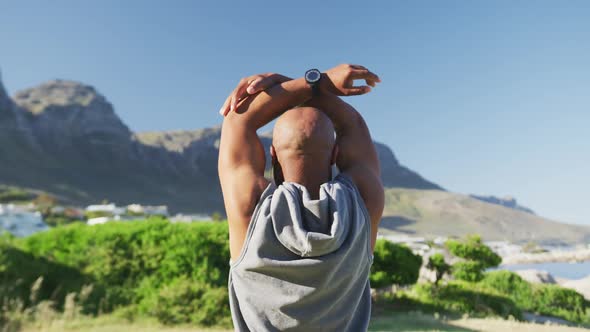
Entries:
{"x":186,"y":301}
{"x":473,"y":249}
{"x":394,"y":264}
{"x":477,"y":256}
{"x":544,"y":299}
{"x":462,"y":297}
{"x":468,"y":271}
{"x":437,"y":263}
{"x":510,"y":284}
{"x":127,"y":262}
{"x":561,"y":302}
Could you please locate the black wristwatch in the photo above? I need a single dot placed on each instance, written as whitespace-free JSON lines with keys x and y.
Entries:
{"x":312,"y":77}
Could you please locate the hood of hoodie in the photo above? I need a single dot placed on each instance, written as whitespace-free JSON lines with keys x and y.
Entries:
{"x":308,"y":227}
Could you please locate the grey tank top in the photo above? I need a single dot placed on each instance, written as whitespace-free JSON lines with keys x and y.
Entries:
{"x":305,"y":263}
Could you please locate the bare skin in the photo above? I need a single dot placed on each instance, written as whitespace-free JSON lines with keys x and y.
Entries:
{"x":303,"y":142}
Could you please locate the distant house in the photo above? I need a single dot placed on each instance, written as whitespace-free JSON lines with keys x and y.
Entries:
{"x":97,"y":221}
{"x":190,"y":218}
{"x":20,"y":221}
{"x":106,"y":208}
{"x":149,"y":210}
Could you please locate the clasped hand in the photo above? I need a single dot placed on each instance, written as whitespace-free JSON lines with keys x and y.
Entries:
{"x":338,"y":81}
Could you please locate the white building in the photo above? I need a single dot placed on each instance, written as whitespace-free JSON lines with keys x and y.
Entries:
{"x":19,"y":221}
{"x":150,"y":210}
{"x":190,"y":218}
{"x":106,"y":208}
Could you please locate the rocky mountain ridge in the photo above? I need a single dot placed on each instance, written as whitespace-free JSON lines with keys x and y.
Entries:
{"x":65,"y":138}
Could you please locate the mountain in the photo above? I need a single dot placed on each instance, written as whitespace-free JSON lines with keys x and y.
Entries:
{"x":432,"y":213}
{"x":70,"y":142}
{"x":65,"y":138}
{"x":508,"y":201}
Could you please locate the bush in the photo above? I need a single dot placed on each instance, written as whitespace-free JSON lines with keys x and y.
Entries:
{"x":461,"y":297}
{"x":468,"y":271}
{"x":545,"y":299}
{"x":185,"y":301}
{"x":477,"y":256}
{"x":394,"y":264}
{"x":561,"y":302}
{"x":473,"y":249}
{"x":510,"y":284}
{"x":126,"y":262}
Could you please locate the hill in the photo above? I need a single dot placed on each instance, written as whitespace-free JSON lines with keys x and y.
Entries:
{"x":433,"y":213}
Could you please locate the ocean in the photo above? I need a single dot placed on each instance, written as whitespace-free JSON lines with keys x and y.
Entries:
{"x":562,"y":270}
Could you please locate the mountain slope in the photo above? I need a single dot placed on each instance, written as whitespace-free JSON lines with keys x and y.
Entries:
{"x":434,"y":213}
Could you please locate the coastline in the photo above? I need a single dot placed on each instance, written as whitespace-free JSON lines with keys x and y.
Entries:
{"x":570,"y":256}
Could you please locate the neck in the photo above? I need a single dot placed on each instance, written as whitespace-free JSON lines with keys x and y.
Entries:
{"x":309,"y":174}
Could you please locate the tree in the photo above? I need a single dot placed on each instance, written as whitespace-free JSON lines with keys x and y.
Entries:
{"x":477,"y":258}
{"x":437,"y":263}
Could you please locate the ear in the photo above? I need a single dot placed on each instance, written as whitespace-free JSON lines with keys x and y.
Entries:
{"x":334,"y":155}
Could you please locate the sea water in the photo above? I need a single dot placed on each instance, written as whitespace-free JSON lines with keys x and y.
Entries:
{"x":557,"y":269}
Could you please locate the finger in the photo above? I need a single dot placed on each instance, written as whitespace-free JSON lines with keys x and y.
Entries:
{"x":256,"y":86}
{"x":238,"y":94}
{"x":225,"y":108}
{"x":364,"y":74}
{"x":358,"y":90}
{"x":358,"y":67}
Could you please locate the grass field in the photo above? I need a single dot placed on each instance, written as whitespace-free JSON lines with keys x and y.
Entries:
{"x":394,"y":322}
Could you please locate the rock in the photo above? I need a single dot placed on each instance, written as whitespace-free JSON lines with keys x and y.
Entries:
{"x":536,"y":276}
{"x":70,"y":116}
{"x":508,"y":201}
{"x":581,"y":286}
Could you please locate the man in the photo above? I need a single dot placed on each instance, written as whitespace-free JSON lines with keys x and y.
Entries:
{"x":301,"y":246}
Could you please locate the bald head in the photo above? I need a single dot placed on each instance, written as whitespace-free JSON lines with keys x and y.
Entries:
{"x":303,"y":131}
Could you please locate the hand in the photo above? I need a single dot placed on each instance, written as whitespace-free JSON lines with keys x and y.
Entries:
{"x":249,"y":86}
{"x":339,"y":80}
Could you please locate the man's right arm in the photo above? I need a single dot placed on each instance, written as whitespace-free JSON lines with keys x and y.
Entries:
{"x":357,"y":156}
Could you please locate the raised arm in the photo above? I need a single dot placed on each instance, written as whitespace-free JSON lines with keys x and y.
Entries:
{"x":357,"y":156}
{"x":241,"y":154}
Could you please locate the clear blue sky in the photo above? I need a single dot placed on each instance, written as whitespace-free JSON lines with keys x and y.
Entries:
{"x":481,"y":97}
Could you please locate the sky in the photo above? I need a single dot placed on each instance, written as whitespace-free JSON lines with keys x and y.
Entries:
{"x":489,"y":98}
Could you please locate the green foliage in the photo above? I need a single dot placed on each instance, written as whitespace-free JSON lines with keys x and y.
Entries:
{"x":477,"y":255}
{"x":468,"y":271}
{"x":544,"y":299}
{"x":20,"y":269}
{"x":437,"y":263}
{"x":128,"y":263}
{"x":460,"y":297}
{"x":185,"y":301}
{"x":510,"y":284}
{"x":97,"y":214}
{"x":14,"y":195}
{"x":394,"y":264}
{"x":58,"y":219}
{"x":561,"y":302}
{"x":472,"y":248}
{"x":216,"y":216}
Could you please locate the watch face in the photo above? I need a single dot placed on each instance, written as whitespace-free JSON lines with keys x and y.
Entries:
{"x":313,"y":75}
